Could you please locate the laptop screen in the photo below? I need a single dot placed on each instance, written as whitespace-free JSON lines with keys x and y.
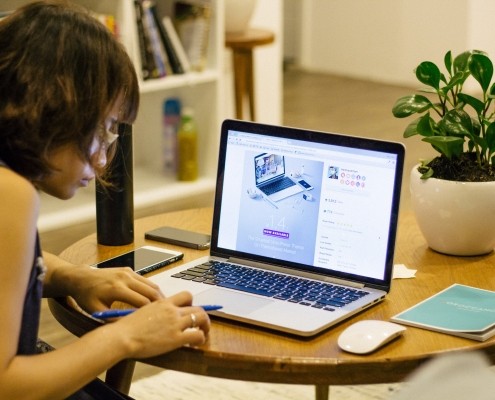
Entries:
{"x":268,"y":167}
{"x":342,"y":224}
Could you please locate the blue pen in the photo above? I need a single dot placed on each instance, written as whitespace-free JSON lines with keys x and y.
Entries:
{"x":122,"y":313}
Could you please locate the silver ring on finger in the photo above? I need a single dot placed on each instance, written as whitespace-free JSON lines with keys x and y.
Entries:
{"x":193,"y":320}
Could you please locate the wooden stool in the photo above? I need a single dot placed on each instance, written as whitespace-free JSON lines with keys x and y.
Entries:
{"x":242,"y":45}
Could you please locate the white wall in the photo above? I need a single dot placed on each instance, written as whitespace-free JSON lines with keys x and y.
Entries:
{"x":267,"y":66}
{"x":292,"y":30}
{"x":384,"y":40}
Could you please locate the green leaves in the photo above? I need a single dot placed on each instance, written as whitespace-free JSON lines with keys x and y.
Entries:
{"x":449,"y":146}
{"x":408,"y":105}
{"x":461,"y":62}
{"x":429,"y":74}
{"x":477,"y":104}
{"x":447,"y":60}
{"x":481,"y":69}
{"x":424,"y":126}
{"x":443,"y":122}
{"x":490,"y":137}
{"x":457,"y":123}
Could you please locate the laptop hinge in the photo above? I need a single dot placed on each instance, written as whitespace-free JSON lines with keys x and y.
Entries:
{"x":302,"y":274}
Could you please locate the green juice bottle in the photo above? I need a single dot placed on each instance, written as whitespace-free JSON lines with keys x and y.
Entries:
{"x":187,"y":144}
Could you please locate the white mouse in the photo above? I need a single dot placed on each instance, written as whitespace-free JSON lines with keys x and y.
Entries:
{"x":366,"y":336}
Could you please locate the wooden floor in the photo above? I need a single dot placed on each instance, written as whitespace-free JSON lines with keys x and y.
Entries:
{"x":312,"y":101}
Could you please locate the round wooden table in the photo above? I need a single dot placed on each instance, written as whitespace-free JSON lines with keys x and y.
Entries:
{"x":252,"y":354}
{"x":242,"y":45}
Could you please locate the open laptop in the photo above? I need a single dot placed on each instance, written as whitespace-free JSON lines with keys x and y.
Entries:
{"x":271,"y":179}
{"x":327,"y":253}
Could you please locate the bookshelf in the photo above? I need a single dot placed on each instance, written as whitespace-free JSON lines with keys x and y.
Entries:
{"x":200,"y":90}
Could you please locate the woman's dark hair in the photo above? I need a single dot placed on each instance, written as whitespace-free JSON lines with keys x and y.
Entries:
{"x":61,"y":72}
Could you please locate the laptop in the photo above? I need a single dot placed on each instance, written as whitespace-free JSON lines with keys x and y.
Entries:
{"x":311,"y":260}
{"x":271,"y":179}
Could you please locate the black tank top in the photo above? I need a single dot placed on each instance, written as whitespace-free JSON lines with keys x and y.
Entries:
{"x":32,"y":305}
{"x":32,"y":302}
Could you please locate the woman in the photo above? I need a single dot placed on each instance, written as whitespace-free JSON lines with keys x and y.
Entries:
{"x":65,"y":83}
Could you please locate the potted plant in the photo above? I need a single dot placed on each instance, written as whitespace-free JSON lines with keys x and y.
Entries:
{"x":453,"y":195}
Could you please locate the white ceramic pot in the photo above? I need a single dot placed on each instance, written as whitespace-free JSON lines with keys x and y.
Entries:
{"x":238,"y":14}
{"x":456,"y":218}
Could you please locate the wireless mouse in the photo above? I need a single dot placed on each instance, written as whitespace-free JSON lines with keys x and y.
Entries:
{"x":367,"y":336}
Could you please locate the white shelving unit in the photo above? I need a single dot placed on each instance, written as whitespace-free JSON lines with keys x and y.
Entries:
{"x":200,"y":90}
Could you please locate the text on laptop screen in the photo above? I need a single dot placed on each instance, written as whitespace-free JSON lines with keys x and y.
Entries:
{"x":340,"y":220}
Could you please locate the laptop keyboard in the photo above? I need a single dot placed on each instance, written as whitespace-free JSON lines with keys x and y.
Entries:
{"x":265,"y":283}
{"x":277,"y":186}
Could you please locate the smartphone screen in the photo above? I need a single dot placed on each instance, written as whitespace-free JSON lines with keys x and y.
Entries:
{"x":305,"y":184}
{"x":142,"y":260}
{"x":180,"y":237}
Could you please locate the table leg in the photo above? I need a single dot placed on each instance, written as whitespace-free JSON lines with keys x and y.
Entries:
{"x":119,"y":376}
{"x":322,"y":392}
{"x":239,"y":81}
{"x":250,"y":83}
{"x":244,"y":82}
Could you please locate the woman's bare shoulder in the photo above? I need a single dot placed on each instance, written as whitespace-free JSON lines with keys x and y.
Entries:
{"x":17,"y":190}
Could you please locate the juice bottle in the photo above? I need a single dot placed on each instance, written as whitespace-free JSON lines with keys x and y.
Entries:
{"x":187,"y":143}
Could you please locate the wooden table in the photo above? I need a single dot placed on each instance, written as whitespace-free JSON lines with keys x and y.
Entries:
{"x":251,"y":354}
{"x":242,"y":45}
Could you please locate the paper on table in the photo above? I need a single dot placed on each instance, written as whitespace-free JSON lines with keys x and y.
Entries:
{"x":402,"y":272}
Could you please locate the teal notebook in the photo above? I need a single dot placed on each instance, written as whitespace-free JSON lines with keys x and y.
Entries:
{"x":458,"y":310}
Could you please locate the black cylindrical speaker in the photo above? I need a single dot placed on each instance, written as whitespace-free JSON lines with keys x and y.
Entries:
{"x":115,"y":202}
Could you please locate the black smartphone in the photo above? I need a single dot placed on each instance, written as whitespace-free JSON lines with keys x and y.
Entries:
{"x":305,"y":184}
{"x":180,"y":237}
{"x":143,"y":259}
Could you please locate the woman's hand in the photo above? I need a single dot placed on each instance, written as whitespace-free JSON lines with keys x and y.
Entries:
{"x":158,"y":326}
{"x":163,"y":325}
{"x":96,"y":289}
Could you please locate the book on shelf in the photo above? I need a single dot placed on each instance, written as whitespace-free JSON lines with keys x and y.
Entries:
{"x":174,"y":61}
{"x":192,"y":21}
{"x":148,"y":68}
{"x":458,"y":310}
{"x":176,"y":43}
{"x":158,"y":50}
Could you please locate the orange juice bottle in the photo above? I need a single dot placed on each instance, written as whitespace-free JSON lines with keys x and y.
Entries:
{"x":187,"y":144}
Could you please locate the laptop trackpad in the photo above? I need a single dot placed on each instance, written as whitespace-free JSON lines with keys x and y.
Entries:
{"x":232,"y":302}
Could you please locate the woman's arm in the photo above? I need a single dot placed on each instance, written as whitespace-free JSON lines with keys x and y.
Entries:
{"x":156,"y":328}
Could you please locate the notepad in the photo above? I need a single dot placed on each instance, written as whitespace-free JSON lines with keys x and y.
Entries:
{"x":458,"y":310}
